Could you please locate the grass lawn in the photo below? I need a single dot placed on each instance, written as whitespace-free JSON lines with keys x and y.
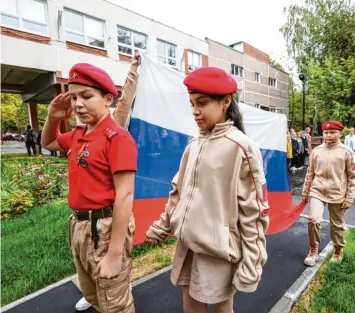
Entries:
{"x":333,"y":289}
{"x":35,"y":252}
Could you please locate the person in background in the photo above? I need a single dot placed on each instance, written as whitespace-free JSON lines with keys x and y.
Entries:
{"x":301,"y":149}
{"x":289,"y":151}
{"x":38,"y":141}
{"x":30,"y":140}
{"x":350,"y":139}
{"x":305,"y":144}
{"x":330,"y":181}
{"x":309,"y":143}
{"x":295,"y":150}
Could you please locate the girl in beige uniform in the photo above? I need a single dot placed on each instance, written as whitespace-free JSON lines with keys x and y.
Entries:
{"x":330,"y":180}
{"x":217,"y":208}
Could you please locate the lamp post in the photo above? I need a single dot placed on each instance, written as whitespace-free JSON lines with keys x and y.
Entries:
{"x":302,"y":78}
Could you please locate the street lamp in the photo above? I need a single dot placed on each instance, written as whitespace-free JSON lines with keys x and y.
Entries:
{"x":302,"y":78}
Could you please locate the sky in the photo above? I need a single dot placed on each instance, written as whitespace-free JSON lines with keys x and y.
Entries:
{"x":256,"y":22}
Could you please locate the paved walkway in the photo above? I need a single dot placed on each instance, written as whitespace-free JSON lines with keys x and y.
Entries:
{"x":18,"y":147}
{"x":286,"y":252}
{"x":158,"y":295}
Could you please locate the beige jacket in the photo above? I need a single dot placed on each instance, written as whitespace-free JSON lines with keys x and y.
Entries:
{"x":331,"y":174}
{"x":122,"y":112}
{"x":217,"y":206}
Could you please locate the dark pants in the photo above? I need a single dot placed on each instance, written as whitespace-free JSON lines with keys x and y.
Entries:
{"x":300,"y":160}
{"x":30,"y":145}
{"x":39,"y":148}
{"x":53,"y":153}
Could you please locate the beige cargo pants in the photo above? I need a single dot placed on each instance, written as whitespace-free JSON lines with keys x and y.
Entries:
{"x":105,"y":295}
{"x":337,"y":223}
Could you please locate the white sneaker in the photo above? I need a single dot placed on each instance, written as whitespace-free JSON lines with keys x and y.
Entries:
{"x":82,"y":305}
{"x":312,"y":256}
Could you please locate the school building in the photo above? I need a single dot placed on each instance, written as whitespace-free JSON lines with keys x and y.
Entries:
{"x":42,"y":39}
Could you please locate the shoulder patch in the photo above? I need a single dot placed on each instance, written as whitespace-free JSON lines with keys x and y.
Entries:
{"x":110,"y":132}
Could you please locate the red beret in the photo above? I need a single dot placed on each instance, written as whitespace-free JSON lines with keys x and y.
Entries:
{"x":90,"y":75}
{"x":333,"y":125}
{"x":210,"y":80}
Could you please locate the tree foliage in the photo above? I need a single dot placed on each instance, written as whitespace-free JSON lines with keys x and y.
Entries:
{"x":320,"y":36}
{"x":14,"y":113}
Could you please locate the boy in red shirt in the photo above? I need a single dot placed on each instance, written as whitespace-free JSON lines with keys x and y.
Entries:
{"x":102,"y":160}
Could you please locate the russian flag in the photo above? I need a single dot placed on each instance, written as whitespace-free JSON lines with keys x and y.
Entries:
{"x":162,"y":125}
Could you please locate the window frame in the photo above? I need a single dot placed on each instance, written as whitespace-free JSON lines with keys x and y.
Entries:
{"x":21,"y":19}
{"x":86,"y":36}
{"x":132,"y":47}
{"x":239,"y":68}
{"x":271,"y":79}
{"x":167,"y":58}
{"x":188,"y":60}
{"x":257,"y":77}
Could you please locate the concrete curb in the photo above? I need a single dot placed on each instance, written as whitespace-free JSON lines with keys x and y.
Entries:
{"x":37,"y":293}
{"x":74,"y":280}
{"x":284,"y":305}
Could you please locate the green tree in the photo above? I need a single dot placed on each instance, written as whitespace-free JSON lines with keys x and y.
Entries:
{"x":14,"y":113}
{"x":320,"y":36}
{"x":317,"y":29}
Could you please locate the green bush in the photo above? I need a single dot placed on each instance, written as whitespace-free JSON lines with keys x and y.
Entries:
{"x":16,"y":202}
{"x":31,"y":182}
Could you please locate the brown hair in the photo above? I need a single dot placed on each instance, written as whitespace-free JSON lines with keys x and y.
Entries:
{"x":233,"y":112}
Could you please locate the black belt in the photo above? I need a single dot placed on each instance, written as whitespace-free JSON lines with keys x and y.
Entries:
{"x":93,"y":215}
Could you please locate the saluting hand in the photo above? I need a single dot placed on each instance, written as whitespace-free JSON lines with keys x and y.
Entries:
{"x":60,"y":107}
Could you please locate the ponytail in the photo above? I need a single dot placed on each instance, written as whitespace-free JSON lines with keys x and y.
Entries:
{"x":234,"y":114}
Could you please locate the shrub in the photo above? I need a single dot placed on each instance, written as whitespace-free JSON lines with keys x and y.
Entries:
{"x":29,"y":182}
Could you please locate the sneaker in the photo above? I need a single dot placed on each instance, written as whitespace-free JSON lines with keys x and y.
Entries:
{"x":337,"y":256}
{"x":312,"y":256}
{"x":82,"y":305}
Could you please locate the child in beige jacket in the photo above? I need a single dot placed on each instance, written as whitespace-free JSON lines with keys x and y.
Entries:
{"x":330,"y":180}
{"x":217,"y":208}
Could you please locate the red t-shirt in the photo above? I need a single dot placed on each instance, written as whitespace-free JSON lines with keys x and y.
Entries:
{"x":109,"y":149}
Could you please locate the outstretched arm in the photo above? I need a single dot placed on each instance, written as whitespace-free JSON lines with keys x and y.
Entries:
{"x":124,"y":104}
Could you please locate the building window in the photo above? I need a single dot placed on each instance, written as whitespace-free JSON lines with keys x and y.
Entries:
{"x":166,"y":52}
{"x":84,"y":30}
{"x":28,"y":15}
{"x":257,"y":77}
{"x":194,"y":60}
{"x":237,"y":70}
{"x":128,"y":40}
{"x":257,"y":105}
{"x":272,"y":82}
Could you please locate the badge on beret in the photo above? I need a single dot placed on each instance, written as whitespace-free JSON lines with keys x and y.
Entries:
{"x":73,"y":75}
{"x":328,"y":125}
